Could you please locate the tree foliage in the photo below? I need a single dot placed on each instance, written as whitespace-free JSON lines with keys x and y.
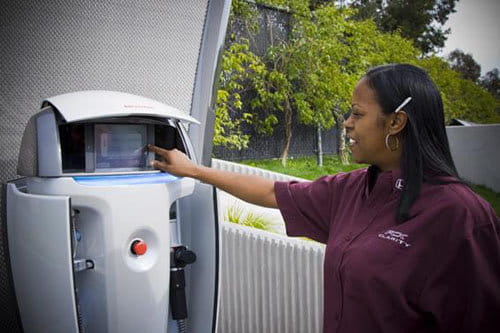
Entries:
{"x":465,"y":64}
{"x":462,"y":98}
{"x":491,"y":82}
{"x":310,"y":76}
{"x":330,"y":54}
{"x":242,"y":72}
{"x":421,"y":21}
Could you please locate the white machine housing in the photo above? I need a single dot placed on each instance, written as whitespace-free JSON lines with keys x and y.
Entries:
{"x":88,"y":195}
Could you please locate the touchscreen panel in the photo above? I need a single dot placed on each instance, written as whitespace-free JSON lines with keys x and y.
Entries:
{"x":120,"y":146}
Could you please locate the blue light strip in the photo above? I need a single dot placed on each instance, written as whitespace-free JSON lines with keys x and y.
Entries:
{"x":139,"y":179}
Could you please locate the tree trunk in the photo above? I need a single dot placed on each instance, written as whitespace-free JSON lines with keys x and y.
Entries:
{"x":319,"y":160}
{"x":343,"y":151}
{"x":269,"y":26}
{"x":288,"y":132}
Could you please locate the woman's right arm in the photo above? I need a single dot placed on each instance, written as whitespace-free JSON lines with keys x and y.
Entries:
{"x":253,"y":189}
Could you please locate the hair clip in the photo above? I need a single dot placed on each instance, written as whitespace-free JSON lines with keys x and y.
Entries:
{"x":406,"y":101}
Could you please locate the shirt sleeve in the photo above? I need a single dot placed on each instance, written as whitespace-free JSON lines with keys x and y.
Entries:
{"x":462,"y":293}
{"x":306,"y":207}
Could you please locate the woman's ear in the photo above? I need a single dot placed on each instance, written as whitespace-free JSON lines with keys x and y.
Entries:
{"x":397,"y":122}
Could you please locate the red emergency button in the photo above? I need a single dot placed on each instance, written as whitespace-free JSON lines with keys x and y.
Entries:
{"x":138,"y":247}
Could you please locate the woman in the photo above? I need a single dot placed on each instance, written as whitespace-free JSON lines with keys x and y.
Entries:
{"x":409,"y":247}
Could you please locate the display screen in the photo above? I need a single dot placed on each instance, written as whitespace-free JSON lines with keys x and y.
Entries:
{"x":111,"y":147}
{"x":120,"y":146}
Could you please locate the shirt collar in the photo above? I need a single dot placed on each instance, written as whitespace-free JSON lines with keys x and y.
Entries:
{"x":392,"y":179}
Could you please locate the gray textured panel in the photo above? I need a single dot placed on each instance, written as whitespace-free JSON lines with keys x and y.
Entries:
{"x":148,"y":48}
{"x":208,"y":71}
{"x":27,"y":162}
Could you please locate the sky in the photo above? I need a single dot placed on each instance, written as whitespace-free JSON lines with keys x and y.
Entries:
{"x":475,"y":29}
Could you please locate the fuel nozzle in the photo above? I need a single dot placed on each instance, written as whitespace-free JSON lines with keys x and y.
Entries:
{"x":180,"y":256}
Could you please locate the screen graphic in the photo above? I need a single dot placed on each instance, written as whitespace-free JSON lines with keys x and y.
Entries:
{"x":120,"y":146}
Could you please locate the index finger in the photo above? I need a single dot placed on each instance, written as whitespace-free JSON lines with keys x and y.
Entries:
{"x":157,"y":150}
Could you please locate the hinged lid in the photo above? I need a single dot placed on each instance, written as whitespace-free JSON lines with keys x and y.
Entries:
{"x":93,"y":104}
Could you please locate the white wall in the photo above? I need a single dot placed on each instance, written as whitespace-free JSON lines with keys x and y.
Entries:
{"x":476,"y":152}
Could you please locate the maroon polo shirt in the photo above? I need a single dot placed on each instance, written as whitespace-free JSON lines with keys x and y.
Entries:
{"x":437,"y":272}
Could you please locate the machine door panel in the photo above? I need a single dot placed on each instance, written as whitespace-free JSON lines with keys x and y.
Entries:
{"x":39,"y":239}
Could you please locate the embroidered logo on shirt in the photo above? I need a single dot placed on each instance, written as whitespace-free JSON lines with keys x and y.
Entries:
{"x":395,"y":236}
{"x":400,"y":184}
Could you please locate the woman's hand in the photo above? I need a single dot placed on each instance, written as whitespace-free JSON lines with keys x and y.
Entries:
{"x":250,"y":188}
{"x":174,"y":162}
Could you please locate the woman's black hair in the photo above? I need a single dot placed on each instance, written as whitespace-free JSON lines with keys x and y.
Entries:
{"x":425,"y":148}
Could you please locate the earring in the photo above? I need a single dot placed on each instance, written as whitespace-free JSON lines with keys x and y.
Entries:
{"x":388,"y":146}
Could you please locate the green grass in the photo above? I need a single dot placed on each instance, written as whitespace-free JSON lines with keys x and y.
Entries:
{"x":305,"y":167}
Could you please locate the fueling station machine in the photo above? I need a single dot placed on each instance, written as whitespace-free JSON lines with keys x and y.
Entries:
{"x":93,"y":239}
{"x":94,"y":234}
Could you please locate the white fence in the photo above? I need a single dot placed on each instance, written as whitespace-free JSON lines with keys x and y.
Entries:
{"x":245,"y":169}
{"x":269,"y":282}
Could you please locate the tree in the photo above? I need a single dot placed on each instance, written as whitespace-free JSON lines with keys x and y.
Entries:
{"x":241,"y":71}
{"x":310,"y":76}
{"x":325,"y":56}
{"x":322,"y":86}
{"x":491,"y":82}
{"x":331,"y":53}
{"x":465,"y":64}
{"x":421,"y":21}
{"x":462,"y":98}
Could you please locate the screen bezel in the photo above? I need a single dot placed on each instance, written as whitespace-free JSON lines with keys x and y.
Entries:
{"x":165,"y":133}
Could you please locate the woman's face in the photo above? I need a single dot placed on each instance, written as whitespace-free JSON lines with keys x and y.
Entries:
{"x":366,"y":129}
